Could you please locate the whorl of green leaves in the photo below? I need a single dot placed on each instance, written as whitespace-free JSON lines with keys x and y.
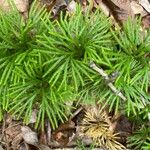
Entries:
{"x":22,"y":85}
{"x":146,"y":144}
{"x":140,"y":139}
{"x":43,"y":62}
{"x":130,"y":61}
{"x":71,"y":43}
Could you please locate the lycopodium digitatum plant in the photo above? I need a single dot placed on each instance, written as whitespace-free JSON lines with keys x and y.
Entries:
{"x":71,"y":42}
{"x":140,"y":139}
{"x":22,"y":81}
{"x":44,"y":63}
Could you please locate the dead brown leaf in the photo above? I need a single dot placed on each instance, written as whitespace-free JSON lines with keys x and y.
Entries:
{"x":1,"y":148}
{"x":146,"y":22}
{"x":12,"y":131}
{"x":136,"y":7}
{"x":120,"y":9}
{"x":66,"y":126}
{"x":64,"y":132}
{"x":145,"y":4}
{"x":13,"y":136}
{"x":29,"y":136}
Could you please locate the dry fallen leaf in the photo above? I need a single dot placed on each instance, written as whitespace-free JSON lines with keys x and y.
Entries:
{"x":146,"y":22}
{"x":22,"y":5}
{"x":31,"y":140}
{"x":24,"y":146}
{"x":17,"y":140}
{"x":12,"y":131}
{"x":58,"y":6}
{"x":136,"y":8}
{"x":120,"y":9}
{"x":145,"y":4}
{"x":1,"y":148}
{"x":43,"y":147}
{"x":64,"y":132}
{"x":29,"y":136}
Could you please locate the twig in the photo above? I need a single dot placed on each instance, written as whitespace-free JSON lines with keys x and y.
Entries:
{"x":49,"y":131}
{"x":112,"y":87}
{"x":76,"y":113}
{"x":106,"y":77}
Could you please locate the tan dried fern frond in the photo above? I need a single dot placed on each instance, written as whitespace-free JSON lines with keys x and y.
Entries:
{"x":96,"y":125}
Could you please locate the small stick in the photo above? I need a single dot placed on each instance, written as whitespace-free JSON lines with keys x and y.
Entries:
{"x":112,"y":87}
{"x":106,"y":77}
{"x":49,"y":131}
{"x":76,"y":113}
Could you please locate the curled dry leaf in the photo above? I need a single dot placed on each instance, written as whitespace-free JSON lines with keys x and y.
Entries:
{"x":29,"y":136}
{"x":31,"y":140}
{"x":64,"y":133}
{"x":145,"y":4}
{"x":146,"y":23}
{"x":13,"y":132}
{"x":136,"y":8}
{"x":58,"y":6}
{"x":120,"y":9}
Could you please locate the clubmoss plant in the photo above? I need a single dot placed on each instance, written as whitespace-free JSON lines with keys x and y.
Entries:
{"x":132,"y":62}
{"x":44,"y":62}
{"x":22,"y":84}
{"x":71,"y":43}
{"x":147,"y":144}
{"x":128,"y":72}
{"x":140,"y":139}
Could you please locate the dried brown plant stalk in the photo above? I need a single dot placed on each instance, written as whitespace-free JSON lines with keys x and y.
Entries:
{"x":97,"y":125}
